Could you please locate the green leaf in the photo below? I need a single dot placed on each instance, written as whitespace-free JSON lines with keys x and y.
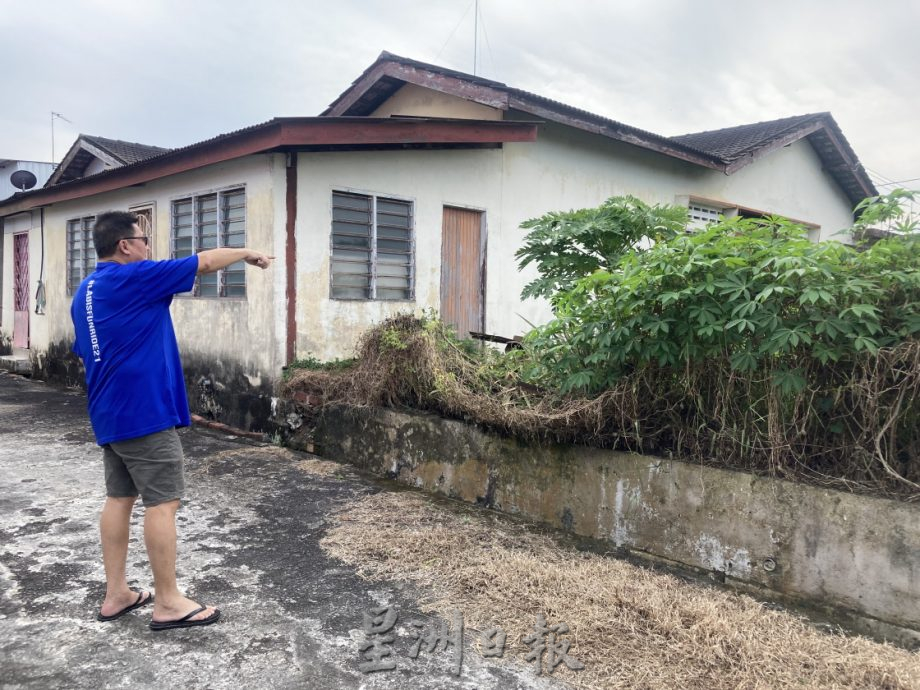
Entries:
{"x":789,"y":382}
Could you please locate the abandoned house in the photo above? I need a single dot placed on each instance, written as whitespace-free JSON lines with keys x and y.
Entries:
{"x":407,"y":193}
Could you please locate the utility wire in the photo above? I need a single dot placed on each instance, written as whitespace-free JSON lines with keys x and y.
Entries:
{"x":466,"y":12}
{"x":877,"y":174}
{"x":888,"y":184}
{"x":485,"y":34}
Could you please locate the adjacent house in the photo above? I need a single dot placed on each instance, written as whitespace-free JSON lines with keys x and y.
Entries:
{"x":406,"y":193}
{"x":8,"y":167}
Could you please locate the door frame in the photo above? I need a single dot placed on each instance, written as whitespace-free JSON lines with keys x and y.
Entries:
{"x":483,"y":254}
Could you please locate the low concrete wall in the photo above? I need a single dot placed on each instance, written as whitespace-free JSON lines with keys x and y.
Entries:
{"x":852,"y":558}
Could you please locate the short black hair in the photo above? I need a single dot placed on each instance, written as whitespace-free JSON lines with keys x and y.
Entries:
{"x":111,"y":227}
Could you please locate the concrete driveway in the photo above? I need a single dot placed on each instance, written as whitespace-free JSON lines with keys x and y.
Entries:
{"x":249,"y":533}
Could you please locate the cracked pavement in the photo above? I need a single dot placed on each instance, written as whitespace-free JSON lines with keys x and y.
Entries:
{"x":248,"y":543}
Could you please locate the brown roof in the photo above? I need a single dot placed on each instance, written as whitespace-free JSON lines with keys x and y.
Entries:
{"x":726,"y":150}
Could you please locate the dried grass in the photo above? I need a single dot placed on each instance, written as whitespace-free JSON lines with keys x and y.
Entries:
{"x":631,"y":627}
{"x":314,"y":466}
{"x":320,"y":468}
{"x":855,"y":429}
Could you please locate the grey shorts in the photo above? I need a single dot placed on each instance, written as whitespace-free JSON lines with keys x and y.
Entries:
{"x":151,"y":466}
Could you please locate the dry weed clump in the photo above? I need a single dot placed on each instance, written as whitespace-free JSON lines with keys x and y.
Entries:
{"x":856,"y":429}
{"x":631,"y":627}
{"x":314,"y":466}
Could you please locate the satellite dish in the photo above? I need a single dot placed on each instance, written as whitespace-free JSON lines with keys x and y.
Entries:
{"x":23,"y":180}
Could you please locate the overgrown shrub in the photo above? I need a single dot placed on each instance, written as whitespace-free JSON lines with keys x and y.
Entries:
{"x":759,"y":338}
{"x":752,"y":292}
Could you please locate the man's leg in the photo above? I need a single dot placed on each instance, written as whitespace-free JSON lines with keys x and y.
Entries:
{"x":160,"y":537}
{"x":113,"y":528}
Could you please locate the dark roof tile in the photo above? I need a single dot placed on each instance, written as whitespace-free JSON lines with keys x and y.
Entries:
{"x":733,"y":142}
{"x":126,"y":151}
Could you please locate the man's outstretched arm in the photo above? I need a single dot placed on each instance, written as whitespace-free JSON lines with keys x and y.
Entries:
{"x":212,"y":260}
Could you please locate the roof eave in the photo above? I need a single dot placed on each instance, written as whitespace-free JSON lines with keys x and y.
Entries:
{"x":610,"y":130}
{"x":282,"y":134}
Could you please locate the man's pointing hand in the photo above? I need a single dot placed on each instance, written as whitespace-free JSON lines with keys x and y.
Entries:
{"x":261,"y":260}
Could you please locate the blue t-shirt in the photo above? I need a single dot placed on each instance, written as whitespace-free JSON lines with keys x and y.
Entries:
{"x":125,"y":337}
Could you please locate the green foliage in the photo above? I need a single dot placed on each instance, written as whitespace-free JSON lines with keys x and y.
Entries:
{"x":886,"y":209}
{"x":568,"y":246}
{"x":392,"y":340}
{"x":754,"y":292}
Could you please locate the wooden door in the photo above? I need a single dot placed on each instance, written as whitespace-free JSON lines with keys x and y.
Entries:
{"x":463,"y":270}
{"x":21,"y":290}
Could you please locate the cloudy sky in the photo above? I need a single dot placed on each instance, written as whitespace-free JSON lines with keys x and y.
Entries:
{"x":170,"y":72}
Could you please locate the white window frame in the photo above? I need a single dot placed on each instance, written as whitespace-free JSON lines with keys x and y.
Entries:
{"x":702,"y":215}
{"x":373,"y":265}
{"x":88,"y":250}
{"x":222,"y":222}
{"x":730,"y":210}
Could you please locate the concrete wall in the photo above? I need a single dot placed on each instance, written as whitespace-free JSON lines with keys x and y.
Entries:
{"x":853,"y":558}
{"x":328,"y":328}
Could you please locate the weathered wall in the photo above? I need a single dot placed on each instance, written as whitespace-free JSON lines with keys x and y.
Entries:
{"x":569,"y":169}
{"x":328,"y":328}
{"x":790,"y":181}
{"x":853,"y":556}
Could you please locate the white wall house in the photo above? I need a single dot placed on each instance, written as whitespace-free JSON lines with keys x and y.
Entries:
{"x":8,"y":167}
{"x":407,"y":194}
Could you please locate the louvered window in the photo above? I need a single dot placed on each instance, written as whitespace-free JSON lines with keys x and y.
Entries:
{"x":208,"y":221}
{"x":701,"y":216}
{"x":81,"y":253}
{"x":372,"y":247}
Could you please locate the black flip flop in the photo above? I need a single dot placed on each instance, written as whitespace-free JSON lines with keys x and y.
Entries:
{"x":127,"y":609}
{"x":184,"y":622}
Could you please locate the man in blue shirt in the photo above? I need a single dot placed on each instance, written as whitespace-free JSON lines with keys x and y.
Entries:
{"x":124,"y":335}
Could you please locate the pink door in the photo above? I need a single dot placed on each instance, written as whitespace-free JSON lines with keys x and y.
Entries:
{"x":21,"y":290}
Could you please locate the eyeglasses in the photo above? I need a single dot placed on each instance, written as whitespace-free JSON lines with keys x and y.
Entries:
{"x":142,"y":238}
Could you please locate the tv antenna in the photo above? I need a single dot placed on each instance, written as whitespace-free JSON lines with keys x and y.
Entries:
{"x":54,"y":116}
